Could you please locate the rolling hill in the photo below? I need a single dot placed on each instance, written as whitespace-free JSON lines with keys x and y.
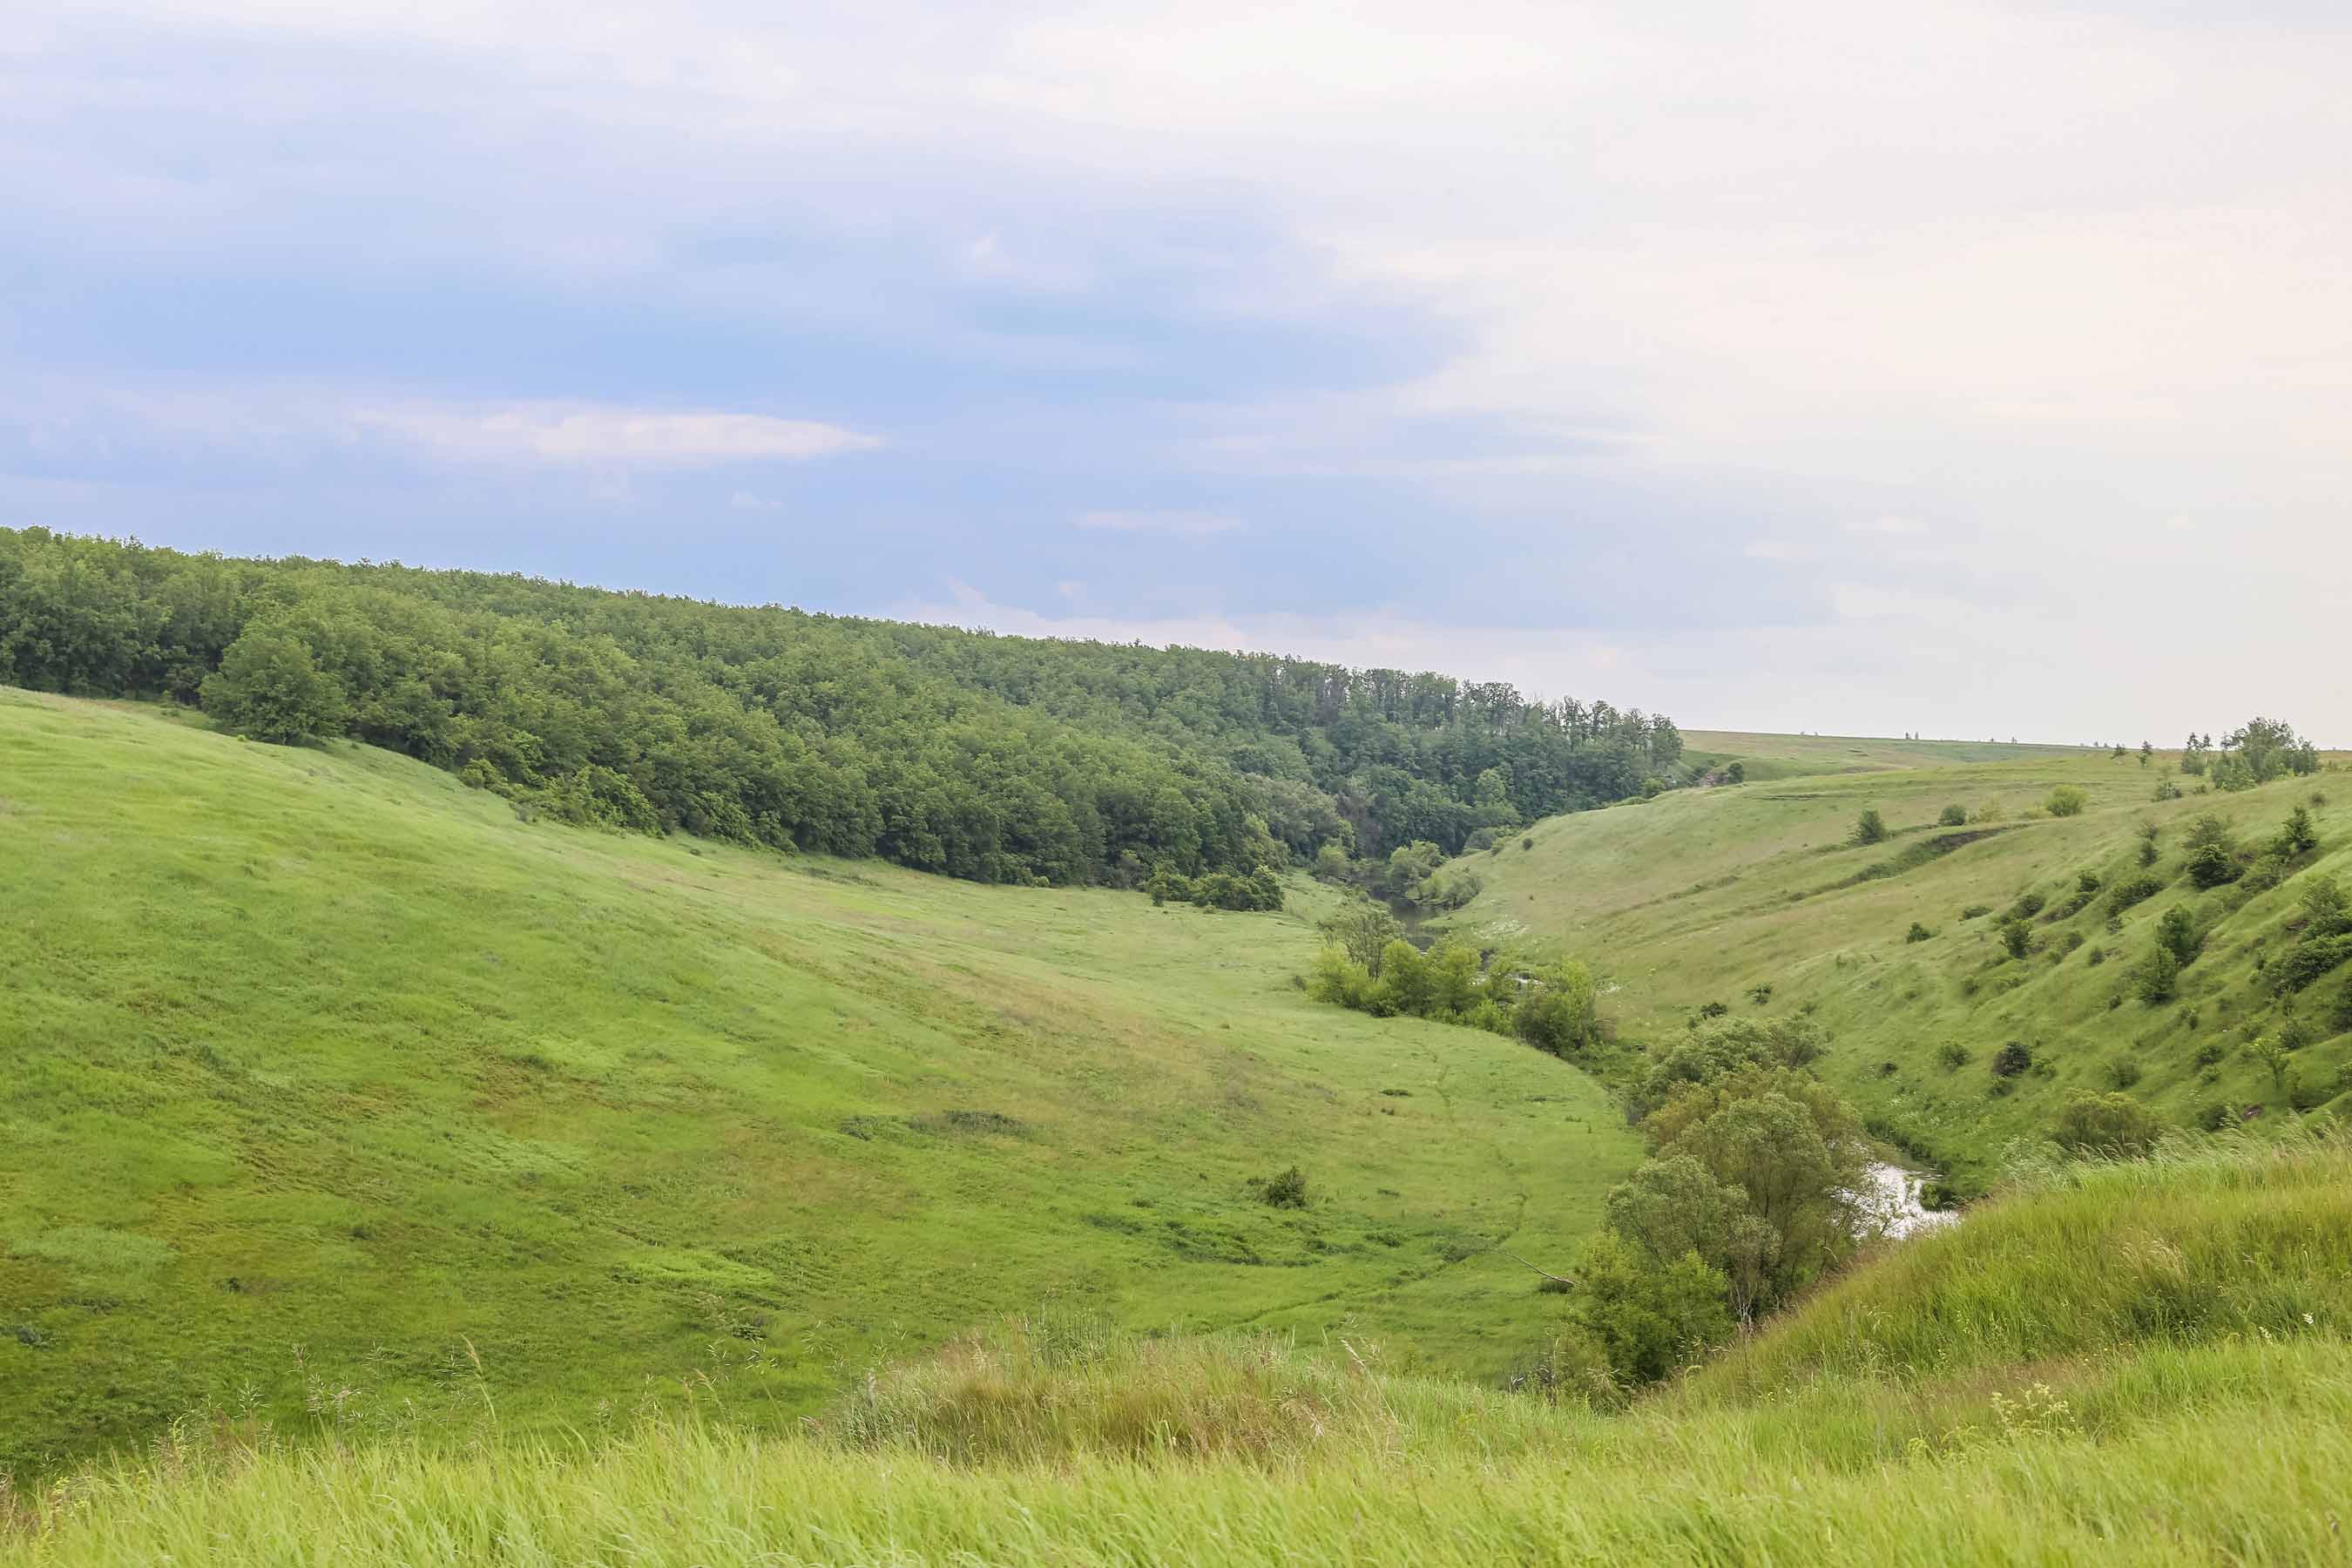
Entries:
{"x":1697,"y":899}
{"x":329,"y":1073}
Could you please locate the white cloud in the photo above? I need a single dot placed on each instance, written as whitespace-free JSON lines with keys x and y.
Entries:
{"x":1188,"y":523}
{"x":621,"y":438}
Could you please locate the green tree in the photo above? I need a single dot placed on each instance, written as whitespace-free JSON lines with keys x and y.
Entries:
{"x":1869,"y":827}
{"x":1649,"y":1320}
{"x":1953,"y":816}
{"x":1363,"y":929}
{"x":2066,"y":800}
{"x":2158,"y":979}
{"x":1560,"y":1013}
{"x":2298,"y":837}
{"x":2176,"y":933}
{"x":269,"y":687}
{"x":1672,"y":1207}
{"x":2212,"y":853}
{"x":2017,"y":937}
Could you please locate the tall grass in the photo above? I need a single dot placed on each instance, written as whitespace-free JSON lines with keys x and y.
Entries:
{"x":2103,"y":1426}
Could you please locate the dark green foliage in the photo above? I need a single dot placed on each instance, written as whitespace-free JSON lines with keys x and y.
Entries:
{"x":1560,"y":1013}
{"x":2113,"y":1124}
{"x":1953,"y":816}
{"x":1869,"y":827}
{"x":1726,"y":1049}
{"x":2133,"y":891}
{"x":1285,"y":1190}
{"x":2212,"y":853}
{"x":2123,"y":1072}
{"x":1760,"y":994}
{"x":2177,"y":932}
{"x":2167,"y":790}
{"x":2158,"y":979}
{"x":2016,"y":937}
{"x":1952,"y":1055}
{"x":2268,"y":749}
{"x":269,"y":687}
{"x":2011,"y":1060}
{"x":2297,"y":838}
{"x":1737,"y":772}
{"x":2310,"y":961}
{"x":998,"y":759}
{"x":2027,"y":906}
{"x":1918,"y":933}
{"x":1976,"y":911}
{"x":1714,"y":1009}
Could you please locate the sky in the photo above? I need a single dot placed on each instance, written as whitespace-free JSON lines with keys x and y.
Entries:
{"x":1961,"y":369}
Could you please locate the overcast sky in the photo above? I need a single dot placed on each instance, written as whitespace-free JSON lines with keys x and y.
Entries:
{"x":1963,"y":368}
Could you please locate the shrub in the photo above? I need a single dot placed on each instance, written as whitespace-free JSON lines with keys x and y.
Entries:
{"x":2178,"y":934}
{"x":1976,"y":911}
{"x":2123,"y":1072}
{"x":1869,"y":827}
{"x":2298,"y":837}
{"x":1526,"y":843}
{"x":1649,"y":1319}
{"x":1952,"y":1056}
{"x":2066,"y":800}
{"x":1760,"y":994}
{"x":2167,"y":790}
{"x":2212,"y":853}
{"x":2158,"y":979}
{"x":2308,"y":1092}
{"x":2017,"y":937}
{"x":2213,"y":1115}
{"x":1714,"y":1009}
{"x":1918,"y":933}
{"x":1953,"y":816}
{"x":1560,"y":1014}
{"x":2096,"y":956}
{"x":2027,"y":907}
{"x":1286,"y":1191}
{"x":2136,"y":890}
{"x":2011,"y":1060}
{"x":2111,"y":1124}
{"x":2309,"y":960}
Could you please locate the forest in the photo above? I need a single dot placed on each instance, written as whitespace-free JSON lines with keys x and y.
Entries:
{"x":991,"y":758}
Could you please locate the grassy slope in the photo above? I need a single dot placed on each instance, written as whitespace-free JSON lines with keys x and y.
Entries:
{"x":1975,"y":1395}
{"x":1702,"y":894}
{"x":1768,"y":757}
{"x":314,"y":1055}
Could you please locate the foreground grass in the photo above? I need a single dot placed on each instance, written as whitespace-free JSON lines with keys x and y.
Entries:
{"x":1702,"y":895}
{"x":332,"y":1083}
{"x":2108,"y":1427}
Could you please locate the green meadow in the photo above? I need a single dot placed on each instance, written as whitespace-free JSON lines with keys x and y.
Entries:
{"x":332,"y":1079}
{"x":1702,"y":897}
{"x":1979,"y":1395}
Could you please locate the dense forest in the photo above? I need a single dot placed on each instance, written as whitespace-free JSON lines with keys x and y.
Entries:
{"x":994,"y":758}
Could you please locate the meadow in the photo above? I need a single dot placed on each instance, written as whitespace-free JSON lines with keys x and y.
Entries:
{"x":1706,"y":897}
{"x":1975,"y":1395}
{"x":334,"y":1084}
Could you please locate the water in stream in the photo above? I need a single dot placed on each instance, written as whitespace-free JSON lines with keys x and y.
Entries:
{"x":1890,"y":1203}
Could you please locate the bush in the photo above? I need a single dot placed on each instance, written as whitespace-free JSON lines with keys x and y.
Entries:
{"x":2027,"y":907}
{"x":1526,"y":843}
{"x":1560,"y":1014}
{"x":1952,"y":1056}
{"x":1760,"y":994}
{"x":2111,"y":1124}
{"x":2017,"y":937}
{"x":1286,"y":1191}
{"x":1869,"y":827}
{"x":2137,"y":889}
{"x":1954,"y":816}
{"x":2123,"y":1072}
{"x":2309,"y":960}
{"x":1714,"y":1009}
{"x":2167,"y":790}
{"x":2066,"y":800}
{"x":2212,"y":853}
{"x":2011,"y":1060}
{"x":2177,"y":932}
{"x":1918,"y":933}
{"x":1650,"y":1320}
{"x":269,"y":687}
{"x":2298,"y":837}
{"x":1974,"y":912}
{"x":2158,"y":979}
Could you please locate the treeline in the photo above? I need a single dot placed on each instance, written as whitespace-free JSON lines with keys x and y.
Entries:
{"x":991,"y":758}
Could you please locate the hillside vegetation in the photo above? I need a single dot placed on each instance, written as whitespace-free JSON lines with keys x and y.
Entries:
{"x":1759,"y":901}
{"x":995,"y":759}
{"x":1979,"y":1395}
{"x":330,"y":1080}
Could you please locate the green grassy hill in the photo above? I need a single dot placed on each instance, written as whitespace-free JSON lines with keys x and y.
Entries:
{"x":1766,"y":757}
{"x":332,"y":1080}
{"x":2143,"y":1363}
{"x":1700,"y":895}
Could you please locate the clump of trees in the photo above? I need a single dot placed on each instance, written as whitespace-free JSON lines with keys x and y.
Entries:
{"x":1750,"y":1193}
{"x":998,"y":759}
{"x":1553,"y":1006}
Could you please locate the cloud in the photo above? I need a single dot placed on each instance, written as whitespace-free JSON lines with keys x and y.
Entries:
{"x":1188,"y":524}
{"x":607,"y":437}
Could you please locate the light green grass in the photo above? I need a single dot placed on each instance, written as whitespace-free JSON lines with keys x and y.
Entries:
{"x":325,"y":1073}
{"x":2119,"y":1430}
{"x":1766,"y":757}
{"x":1700,"y":895}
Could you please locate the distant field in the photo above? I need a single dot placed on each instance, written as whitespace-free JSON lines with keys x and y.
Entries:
{"x":329,"y":1074}
{"x":1701,"y":895}
{"x":1766,"y":757}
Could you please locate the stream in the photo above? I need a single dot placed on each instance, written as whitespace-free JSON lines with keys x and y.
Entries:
{"x":1890,"y":1203}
